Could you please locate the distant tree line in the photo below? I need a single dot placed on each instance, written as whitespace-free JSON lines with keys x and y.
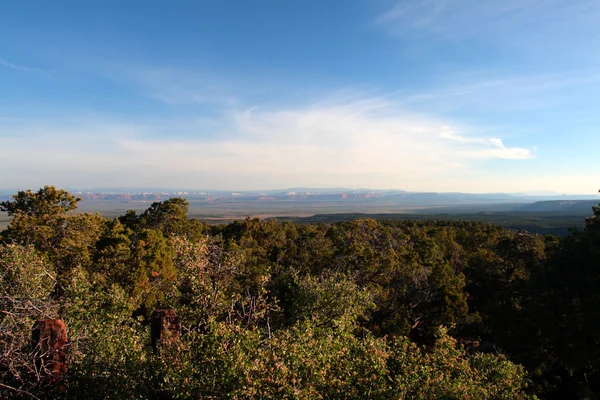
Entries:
{"x":359,"y":309}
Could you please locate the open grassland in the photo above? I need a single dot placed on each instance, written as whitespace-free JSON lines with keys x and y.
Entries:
{"x":4,"y":220}
{"x":228,"y":211}
{"x":557,"y":223}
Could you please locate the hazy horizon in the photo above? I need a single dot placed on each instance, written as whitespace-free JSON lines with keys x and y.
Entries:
{"x":173,"y":190}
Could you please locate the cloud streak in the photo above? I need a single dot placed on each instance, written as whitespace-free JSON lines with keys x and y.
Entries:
{"x":16,"y":67}
{"x":22,"y":68}
{"x":175,"y":86}
{"x":487,"y":147}
{"x":461,"y":18}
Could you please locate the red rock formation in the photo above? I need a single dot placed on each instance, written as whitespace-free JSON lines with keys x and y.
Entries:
{"x":48,"y":339}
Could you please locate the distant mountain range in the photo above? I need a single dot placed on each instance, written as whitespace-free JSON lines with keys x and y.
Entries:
{"x":303,"y":194}
{"x":563,"y":206}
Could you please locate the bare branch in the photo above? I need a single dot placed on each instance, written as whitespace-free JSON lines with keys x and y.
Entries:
{"x":19,"y":391}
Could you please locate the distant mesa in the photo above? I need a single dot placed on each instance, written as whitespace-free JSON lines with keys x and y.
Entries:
{"x":367,"y":196}
{"x":575,"y":206}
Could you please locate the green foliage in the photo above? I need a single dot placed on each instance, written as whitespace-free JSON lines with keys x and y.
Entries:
{"x":111,"y":261}
{"x":108,"y":350}
{"x":209,"y":290}
{"x":168,"y":216}
{"x":24,"y":274}
{"x":447,"y":372}
{"x":43,"y":219}
{"x":308,"y":362}
{"x":331,"y":299}
{"x":43,"y":204}
{"x":152,"y":269}
{"x":141,"y":263}
{"x":360,"y":309}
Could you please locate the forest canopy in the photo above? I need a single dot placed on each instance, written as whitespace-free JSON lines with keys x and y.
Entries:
{"x":267,"y":309}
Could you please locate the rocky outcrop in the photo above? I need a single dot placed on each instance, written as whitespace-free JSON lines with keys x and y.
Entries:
{"x":48,"y":340}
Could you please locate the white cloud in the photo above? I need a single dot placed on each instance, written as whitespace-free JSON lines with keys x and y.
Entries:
{"x":497,"y":142}
{"x":486,"y":147}
{"x":362,"y":143}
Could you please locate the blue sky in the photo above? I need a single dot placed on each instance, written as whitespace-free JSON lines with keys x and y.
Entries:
{"x":429,"y":95}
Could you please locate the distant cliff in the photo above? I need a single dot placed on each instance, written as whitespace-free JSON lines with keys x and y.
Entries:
{"x":563,"y":206}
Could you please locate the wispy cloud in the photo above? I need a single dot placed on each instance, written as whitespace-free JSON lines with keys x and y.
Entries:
{"x":493,"y":92}
{"x":459,"y":18}
{"x":175,"y":85}
{"x":366,"y":142}
{"x":439,"y":15}
{"x":23,"y":68}
{"x":16,"y":67}
{"x":487,"y":147}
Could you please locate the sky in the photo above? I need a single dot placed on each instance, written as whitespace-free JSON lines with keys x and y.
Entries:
{"x":420,"y":95}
